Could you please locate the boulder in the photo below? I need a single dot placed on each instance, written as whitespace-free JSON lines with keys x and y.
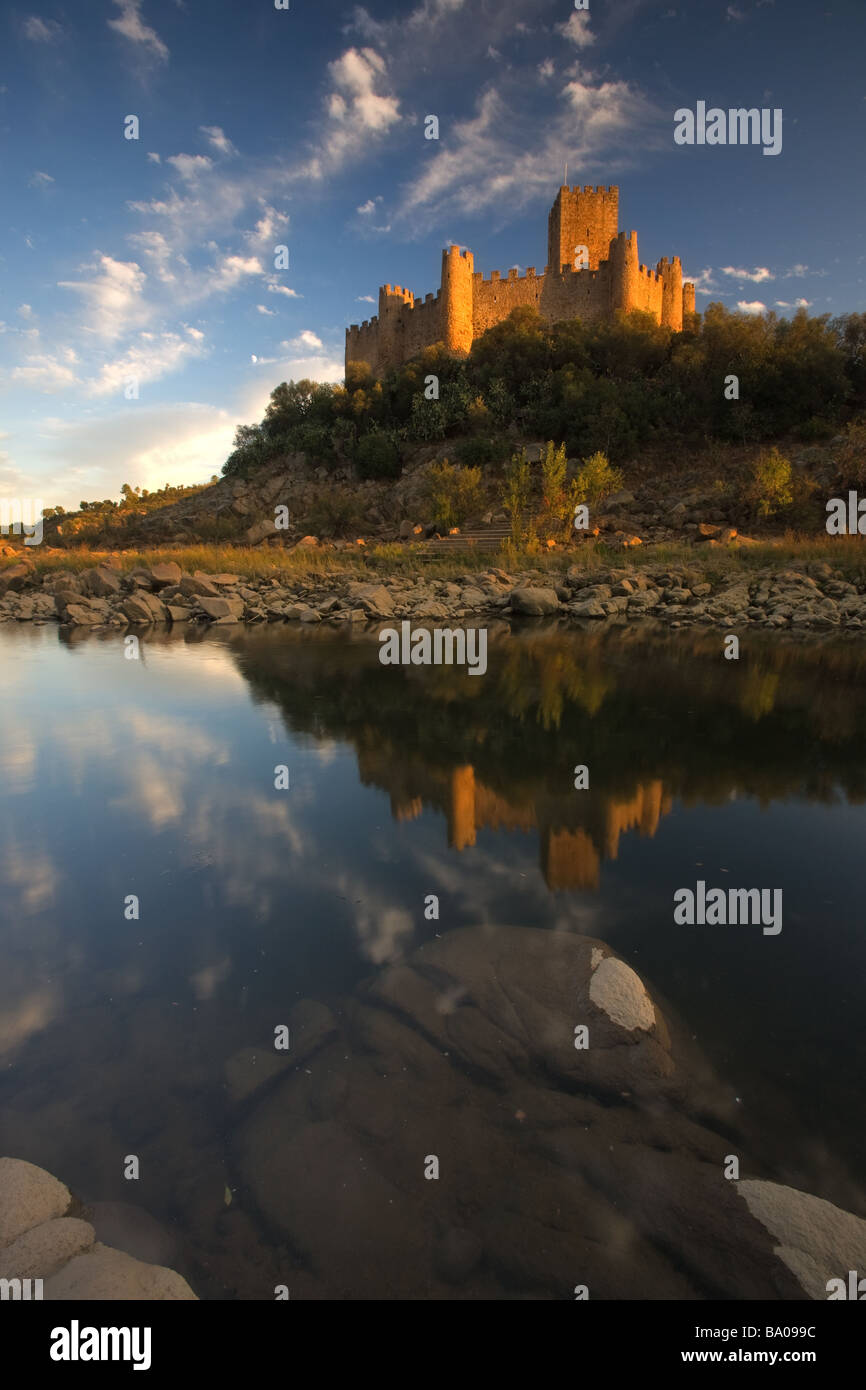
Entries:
{"x":373,"y":598}
{"x":222,"y":607}
{"x":163,"y":575}
{"x":103,"y":1273}
{"x":261,"y":531}
{"x":534,"y":602}
{"x":81,"y":615}
{"x":143,"y":608}
{"x":40,"y":1252}
{"x":28,"y":1197}
{"x":588,"y":608}
{"x":101,"y":582}
{"x":195,"y":586}
{"x":16,"y":577}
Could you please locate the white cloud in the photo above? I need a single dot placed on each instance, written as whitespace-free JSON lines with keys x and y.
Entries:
{"x":546,"y":69}
{"x":263,"y":309}
{"x":218,"y":139}
{"x":305,"y":339}
{"x":154,"y":157}
{"x":152,"y":357}
{"x":40,"y":179}
{"x":113,"y":298}
{"x":284,"y":289}
{"x":270,"y":225}
{"x":48,"y":372}
{"x":732,"y":13}
{"x":490,"y":163}
{"x":155,"y":247}
{"x":753,"y":306}
{"x":369,"y":207}
{"x":25,"y":311}
{"x":233,"y":269}
{"x":576,"y":29}
{"x":757,"y":276}
{"x":130,"y":24}
{"x":190,"y":166}
{"x":178,"y":443}
{"x":703,"y":282}
{"x":798,"y":271}
{"x":364,"y":299}
{"x":41,"y":30}
{"x":798,"y":304}
{"x":358,"y":106}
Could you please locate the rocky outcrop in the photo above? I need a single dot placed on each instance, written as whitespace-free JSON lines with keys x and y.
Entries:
{"x":817,"y":599}
{"x":458,"y":1137}
{"x":40,"y":1239}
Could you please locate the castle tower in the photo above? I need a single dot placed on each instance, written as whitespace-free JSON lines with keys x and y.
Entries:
{"x":584,"y":217}
{"x":624,"y":272}
{"x":457,"y":329}
{"x":391,"y":301}
{"x":688,"y":298}
{"x":672,"y":293}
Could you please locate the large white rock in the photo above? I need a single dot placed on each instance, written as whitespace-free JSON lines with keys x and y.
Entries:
{"x":40,"y":1252}
{"x":817,"y":1241}
{"x":28,"y":1196}
{"x":617,"y":990}
{"x":103,"y":1273}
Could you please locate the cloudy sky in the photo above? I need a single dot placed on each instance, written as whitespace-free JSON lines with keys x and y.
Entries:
{"x":154,"y":260}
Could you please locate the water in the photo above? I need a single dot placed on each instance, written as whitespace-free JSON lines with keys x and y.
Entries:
{"x":151,"y":1037}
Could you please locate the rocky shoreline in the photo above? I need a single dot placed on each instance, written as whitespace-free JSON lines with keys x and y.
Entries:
{"x":46,"y":1236}
{"x":816,"y":598}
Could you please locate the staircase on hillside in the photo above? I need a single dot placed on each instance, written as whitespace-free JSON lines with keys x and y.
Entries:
{"x":474,"y":538}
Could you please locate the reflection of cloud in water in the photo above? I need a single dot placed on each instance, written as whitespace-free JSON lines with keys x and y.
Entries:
{"x":155,"y":790}
{"x":30,"y":879}
{"x":206,"y":982}
{"x":28,"y":1016}
{"x":383,"y":931}
{"x":476,"y":885}
{"x":17,"y":758}
{"x":179,"y":737}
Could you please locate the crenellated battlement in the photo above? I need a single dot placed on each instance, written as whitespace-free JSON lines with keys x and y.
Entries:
{"x":583,"y":226}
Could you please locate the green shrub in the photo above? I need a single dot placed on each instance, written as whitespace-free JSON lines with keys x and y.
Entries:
{"x":377,"y":455}
{"x":816,"y":429}
{"x":515,"y":494}
{"x":769,"y":487}
{"x":333,"y":513}
{"x":455,"y":493}
{"x":480,"y":450}
{"x":851,"y":456}
{"x":595,"y":480}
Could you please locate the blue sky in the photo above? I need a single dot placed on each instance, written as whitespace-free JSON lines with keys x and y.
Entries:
{"x":153,"y":259}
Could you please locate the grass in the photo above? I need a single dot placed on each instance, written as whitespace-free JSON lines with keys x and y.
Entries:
{"x":844,"y":554}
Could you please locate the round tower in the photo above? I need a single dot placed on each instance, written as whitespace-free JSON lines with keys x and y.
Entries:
{"x":456,"y":302}
{"x":672,"y":293}
{"x":624,"y":272}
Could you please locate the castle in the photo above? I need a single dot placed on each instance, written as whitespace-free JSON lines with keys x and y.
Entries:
{"x":593,"y":272}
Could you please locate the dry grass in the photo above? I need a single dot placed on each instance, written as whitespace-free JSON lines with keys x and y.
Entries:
{"x":845,"y":554}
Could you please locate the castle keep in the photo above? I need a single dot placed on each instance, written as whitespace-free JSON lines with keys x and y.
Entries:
{"x":593,"y":272}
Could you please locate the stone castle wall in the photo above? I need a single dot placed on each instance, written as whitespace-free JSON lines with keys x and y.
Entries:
{"x":467,"y":304}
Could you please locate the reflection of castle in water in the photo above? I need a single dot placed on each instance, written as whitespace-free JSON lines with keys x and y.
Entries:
{"x":570,"y":855}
